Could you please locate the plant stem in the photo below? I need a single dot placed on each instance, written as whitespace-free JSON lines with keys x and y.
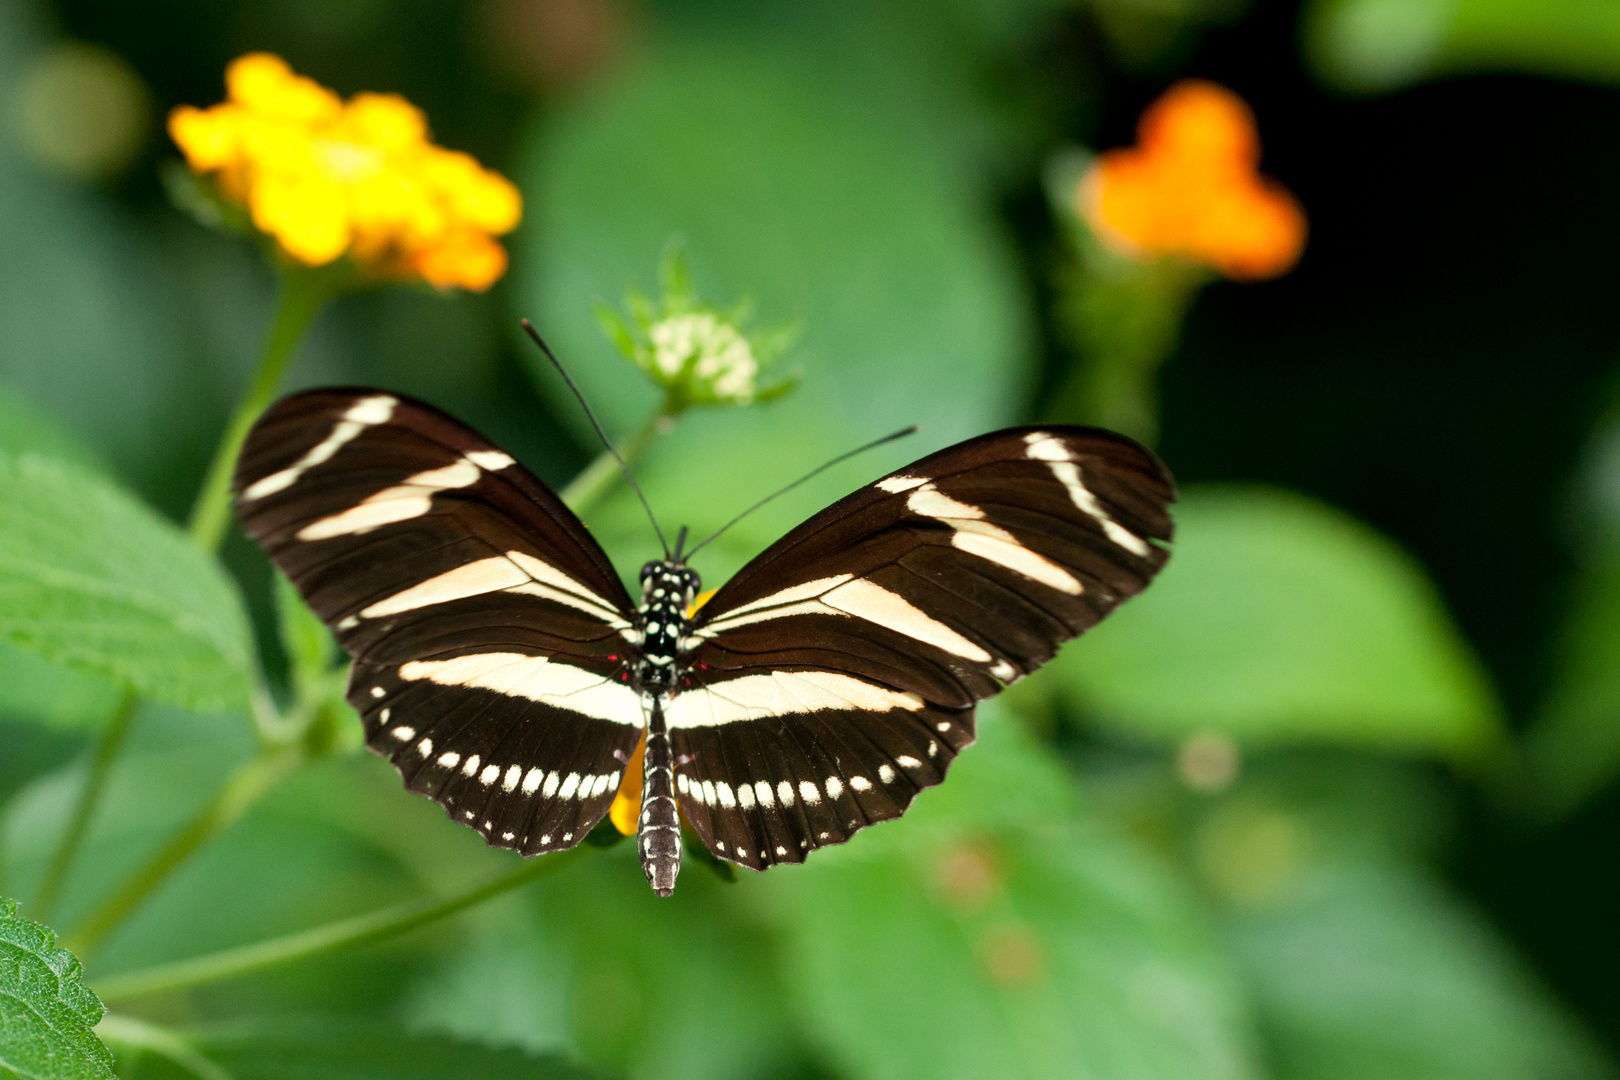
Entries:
{"x":303,"y":292}
{"x":598,"y":478}
{"x":95,"y":782}
{"x":1122,"y":320}
{"x":138,"y":1035}
{"x":343,"y":934}
{"x":244,"y":788}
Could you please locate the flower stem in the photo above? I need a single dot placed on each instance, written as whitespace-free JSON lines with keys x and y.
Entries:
{"x":302,"y":294}
{"x":598,"y":478}
{"x":1122,"y":320}
{"x":244,"y":788}
{"x":345,"y":933}
{"x":95,"y":782}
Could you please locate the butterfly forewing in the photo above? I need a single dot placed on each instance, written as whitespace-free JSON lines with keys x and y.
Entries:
{"x":492,"y":639}
{"x":835,"y":676}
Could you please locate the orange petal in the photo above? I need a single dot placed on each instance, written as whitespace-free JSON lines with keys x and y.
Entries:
{"x":464,"y":258}
{"x":626,"y":809}
{"x":1191,"y":190}
{"x":1201,"y":121}
{"x":1260,"y":234}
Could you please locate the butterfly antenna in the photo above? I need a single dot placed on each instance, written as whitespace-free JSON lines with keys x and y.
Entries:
{"x":528,"y":328}
{"x":874,"y":444}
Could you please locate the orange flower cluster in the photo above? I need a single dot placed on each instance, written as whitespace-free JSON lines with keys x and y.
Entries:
{"x":363,"y":178}
{"x":1191,"y":188}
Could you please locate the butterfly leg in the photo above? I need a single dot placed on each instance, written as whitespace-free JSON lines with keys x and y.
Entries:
{"x":659,"y":834}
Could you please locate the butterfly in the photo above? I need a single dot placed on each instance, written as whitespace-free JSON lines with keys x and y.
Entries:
{"x":501,"y":665}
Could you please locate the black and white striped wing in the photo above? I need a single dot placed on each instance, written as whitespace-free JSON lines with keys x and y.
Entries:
{"x":835,"y":676}
{"x":492,"y":639}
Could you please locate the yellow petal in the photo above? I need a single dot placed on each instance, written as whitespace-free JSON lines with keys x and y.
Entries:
{"x":274,"y":145}
{"x":264,"y":83}
{"x":474,"y":195}
{"x":698,"y":601}
{"x":385,"y":121}
{"x":306,"y":214}
{"x":208,"y":138}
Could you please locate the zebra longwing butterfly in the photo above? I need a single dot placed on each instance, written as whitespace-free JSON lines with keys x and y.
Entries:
{"x":501,"y":666}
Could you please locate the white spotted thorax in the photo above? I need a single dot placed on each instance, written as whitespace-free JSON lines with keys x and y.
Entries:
{"x":667,"y":589}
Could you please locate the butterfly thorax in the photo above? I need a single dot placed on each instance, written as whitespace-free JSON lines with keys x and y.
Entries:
{"x":667,"y":589}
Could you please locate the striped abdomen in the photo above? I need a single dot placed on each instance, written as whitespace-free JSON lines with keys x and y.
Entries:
{"x":659,"y":836}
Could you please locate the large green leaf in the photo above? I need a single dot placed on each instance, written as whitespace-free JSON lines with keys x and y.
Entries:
{"x":30,"y":688}
{"x":92,"y":579}
{"x":58,"y":697}
{"x":24,"y":429}
{"x":1362,"y":965}
{"x":990,"y":934}
{"x":658,"y":989}
{"x":46,"y":1012}
{"x":300,"y":1050}
{"x":794,"y":184}
{"x":1277,"y":619}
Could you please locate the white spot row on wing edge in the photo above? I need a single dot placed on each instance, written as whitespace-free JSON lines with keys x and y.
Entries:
{"x":512,"y":777}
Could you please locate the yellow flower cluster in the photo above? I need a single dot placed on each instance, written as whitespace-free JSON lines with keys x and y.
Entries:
{"x":328,"y":178}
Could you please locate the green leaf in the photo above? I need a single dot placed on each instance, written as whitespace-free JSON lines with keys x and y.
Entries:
{"x":24,"y":428}
{"x":1281,"y":619}
{"x":29,"y":687}
{"x":92,"y":579}
{"x":57,"y":697}
{"x":1362,"y":965}
{"x":1373,"y":46}
{"x":46,"y":1011}
{"x":333,"y":1050}
{"x":790,"y":180}
{"x":1574,"y":746}
{"x":1384,"y":977}
{"x":309,"y":644}
{"x":626,"y":981}
{"x":991,"y":934}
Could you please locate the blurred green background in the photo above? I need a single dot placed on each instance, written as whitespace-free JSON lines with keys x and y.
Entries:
{"x":1335,"y":800}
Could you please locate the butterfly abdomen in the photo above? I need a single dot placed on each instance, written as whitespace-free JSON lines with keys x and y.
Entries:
{"x":658,"y":837}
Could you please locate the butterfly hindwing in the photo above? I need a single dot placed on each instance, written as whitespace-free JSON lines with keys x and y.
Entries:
{"x":835,"y":676}
{"x":492,"y":639}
